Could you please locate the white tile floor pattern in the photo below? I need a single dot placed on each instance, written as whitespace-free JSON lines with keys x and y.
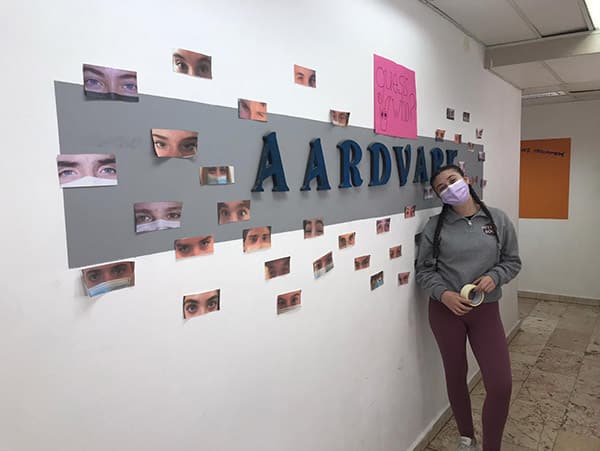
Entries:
{"x":555,"y":404}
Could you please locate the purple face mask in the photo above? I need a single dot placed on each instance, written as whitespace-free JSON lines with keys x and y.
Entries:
{"x":456,"y":194}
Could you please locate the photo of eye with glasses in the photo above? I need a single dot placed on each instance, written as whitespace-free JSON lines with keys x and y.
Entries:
{"x":201,"y":303}
{"x":289,"y":301}
{"x":193,"y":247}
{"x":234,"y":211}
{"x":346,"y":240}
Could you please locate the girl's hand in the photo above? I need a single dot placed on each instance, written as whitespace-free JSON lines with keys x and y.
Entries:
{"x":485,"y":284}
{"x":456,"y":303}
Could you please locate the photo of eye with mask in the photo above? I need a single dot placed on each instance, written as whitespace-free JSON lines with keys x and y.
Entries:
{"x":103,"y":279}
{"x":154,"y":216}
{"x":339,"y":118}
{"x":174,"y":143}
{"x":383,"y":225}
{"x":87,"y":170}
{"x":107,"y":83}
{"x":362,"y":262}
{"x":217,"y":175}
{"x":201,"y":303}
{"x":192,"y":63}
{"x":323,"y":265}
{"x":277,"y":268}
{"x":193,"y":247}
{"x":346,"y":240}
{"x":376,"y":280}
{"x":289,"y":301}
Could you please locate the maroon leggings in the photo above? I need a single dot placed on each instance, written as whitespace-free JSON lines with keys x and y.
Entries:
{"x":486,"y":335}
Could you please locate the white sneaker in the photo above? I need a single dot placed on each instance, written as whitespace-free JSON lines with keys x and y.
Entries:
{"x":468,"y":444}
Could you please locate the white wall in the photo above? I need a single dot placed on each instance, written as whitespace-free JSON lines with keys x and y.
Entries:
{"x":562,"y":256}
{"x":352,"y":370}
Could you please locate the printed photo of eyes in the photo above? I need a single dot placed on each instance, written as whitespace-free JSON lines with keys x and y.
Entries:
{"x":483,"y":183}
{"x":478,"y":133}
{"x":439,"y":134}
{"x":409,"y":211}
{"x":154,"y":216}
{"x":252,"y":110}
{"x":289,"y":301}
{"x":481,"y":155}
{"x":450,"y":113}
{"x":323,"y":265}
{"x":201,"y":303}
{"x":466,"y":116}
{"x":403,"y":278}
{"x":217,"y":175}
{"x":471,"y":146}
{"x":235,"y":211}
{"x":193,"y":247}
{"x":339,"y":118}
{"x":395,"y":252}
{"x":174,"y":143}
{"x":346,"y":240}
{"x":276,"y":268}
{"x":192,"y":63}
{"x":362,"y":262}
{"x":461,"y":165}
{"x":313,"y":227}
{"x":383,"y":225}
{"x":257,"y":238}
{"x":428,"y":193}
{"x":87,"y":170}
{"x":304,"y":76}
{"x":103,"y":279}
{"x":457,"y":138}
{"x":106,"y":83}
{"x":376,"y":280}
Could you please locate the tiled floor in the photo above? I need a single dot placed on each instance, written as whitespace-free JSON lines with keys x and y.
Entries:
{"x":555,"y":404}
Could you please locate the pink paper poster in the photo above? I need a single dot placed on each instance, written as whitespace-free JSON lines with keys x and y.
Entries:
{"x":395,"y":99}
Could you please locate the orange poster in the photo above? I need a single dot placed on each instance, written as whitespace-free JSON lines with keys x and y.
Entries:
{"x":544,"y":188}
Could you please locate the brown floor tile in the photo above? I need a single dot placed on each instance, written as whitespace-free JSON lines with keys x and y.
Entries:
{"x":541,"y":385}
{"x":560,"y":361}
{"x":549,"y":309}
{"x":569,"y":340}
{"x":568,"y":441}
{"x":524,"y":426}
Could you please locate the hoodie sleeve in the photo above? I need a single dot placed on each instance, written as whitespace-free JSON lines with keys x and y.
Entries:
{"x":425,"y":274}
{"x":510,"y":262}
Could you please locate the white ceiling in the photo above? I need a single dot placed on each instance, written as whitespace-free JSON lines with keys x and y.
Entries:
{"x":536,"y":45}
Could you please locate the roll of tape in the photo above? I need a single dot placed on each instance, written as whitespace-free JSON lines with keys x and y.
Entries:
{"x":474,"y":297}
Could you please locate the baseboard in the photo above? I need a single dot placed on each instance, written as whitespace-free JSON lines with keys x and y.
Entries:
{"x":558,"y":298}
{"x":441,"y":421}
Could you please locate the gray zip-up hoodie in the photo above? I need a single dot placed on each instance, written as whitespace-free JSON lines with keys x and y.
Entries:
{"x":468,"y":250}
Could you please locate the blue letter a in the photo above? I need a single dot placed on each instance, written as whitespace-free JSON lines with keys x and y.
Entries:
{"x":270,"y":166}
{"x":316,"y":168}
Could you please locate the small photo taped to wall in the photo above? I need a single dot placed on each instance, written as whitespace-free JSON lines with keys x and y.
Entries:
{"x":471,"y":146}
{"x":395,"y":252}
{"x":409,"y":211}
{"x":305,"y":76}
{"x":403,"y":278}
{"x":457,"y":138}
{"x":256,"y":239}
{"x":192,"y":63}
{"x":194,"y":247}
{"x":362,"y":262}
{"x":313,"y":227}
{"x":86,"y":170}
{"x":174,"y":143}
{"x":466,"y":116}
{"x":155,"y":216}
{"x":233,"y":211}
{"x":277,"y":268}
{"x":376,"y":280}
{"x":481,"y":155}
{"x":201,"y":303}
{"x":461,"y":165}
{"x":217,"y":175}
{"x":428,"y":192}
{"x":102,"y":279}
{"x":289,"y":301}
{"x":107,"y":83}
{"x":252,"y":110}
{"x":450,"y":113}
{"x":323,"y":265}
{"x":478,"y":133}
{"x":339,"y":118}
{"x":383,"y":225}
{"x":439,"y":134}
{"x":346,"y":240}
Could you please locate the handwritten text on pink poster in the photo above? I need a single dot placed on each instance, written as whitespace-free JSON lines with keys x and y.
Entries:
{"x":395,"y":99}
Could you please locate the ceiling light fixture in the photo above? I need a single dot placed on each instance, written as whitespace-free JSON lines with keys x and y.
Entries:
{"x":544,"y":94}
{"x":593,"y":7}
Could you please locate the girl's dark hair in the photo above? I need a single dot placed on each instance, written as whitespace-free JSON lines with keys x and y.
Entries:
{"x":446,"y":208}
